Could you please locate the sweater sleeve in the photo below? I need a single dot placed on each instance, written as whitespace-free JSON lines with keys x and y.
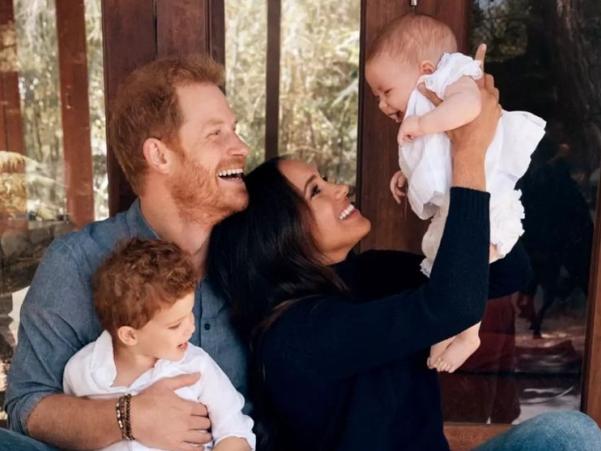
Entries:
{"x":335,"y":338}
{"x":510,"y":274}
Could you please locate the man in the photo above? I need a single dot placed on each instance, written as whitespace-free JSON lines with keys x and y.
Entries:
{"x":175,"y":138}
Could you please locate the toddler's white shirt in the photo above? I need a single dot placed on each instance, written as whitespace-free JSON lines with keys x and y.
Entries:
{"x":426,"y":162}
{"x":92,"y":371}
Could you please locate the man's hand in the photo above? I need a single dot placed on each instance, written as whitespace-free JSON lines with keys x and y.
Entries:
{"x":161,"y":419}
{"x":397,"y":183}
{"x":409,"y":130}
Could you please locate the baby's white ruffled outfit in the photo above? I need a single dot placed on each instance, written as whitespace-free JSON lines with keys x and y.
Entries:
{"x":426,"y":162}
{"x":91,"y":373}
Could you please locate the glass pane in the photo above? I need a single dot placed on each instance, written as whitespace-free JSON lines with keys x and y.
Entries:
{"x":545,"y":60}
{"x":319,"y":84}
{"x":245,"y":62}
{"x":97,"y":111}
{"x":33,"y":207}
{"x":318,"y":101}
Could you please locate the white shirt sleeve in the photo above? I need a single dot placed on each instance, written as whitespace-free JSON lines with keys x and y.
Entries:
{"x":224,"y":404}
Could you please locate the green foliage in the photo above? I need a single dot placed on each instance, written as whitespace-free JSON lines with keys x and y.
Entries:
{"x":502,"y":25}
{"x":319,"y":85}
{"x":97,"y":111}
{"x":318,"y":80}
{"x":39,"y":87}
{"x":246,"y":61}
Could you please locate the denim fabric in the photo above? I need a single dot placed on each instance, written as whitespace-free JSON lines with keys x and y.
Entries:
{"x":553,"y":431}
{"x":58,"y":317}
{"x":13,"y":441}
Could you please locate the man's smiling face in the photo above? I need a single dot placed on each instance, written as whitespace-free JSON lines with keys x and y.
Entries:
{"x":207,"y":183}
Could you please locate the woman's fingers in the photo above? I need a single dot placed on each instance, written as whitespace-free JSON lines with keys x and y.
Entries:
{"x":489,"y":85}
{"x":480,"y":55}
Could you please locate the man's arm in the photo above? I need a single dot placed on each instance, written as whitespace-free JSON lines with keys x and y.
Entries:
{"x":79,"y":423}
{"x":57,"y":319}
{"x":74,"y":423}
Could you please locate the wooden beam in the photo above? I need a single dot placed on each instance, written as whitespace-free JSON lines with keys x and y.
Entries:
{"x":75,"y":109}
{"x":11,"y":126}
{"x":129,"y":40}
{"x":272,"y":101}
{"x":591,"y":390}
{"x":393,"y":226}
{"x":216,"y":27}
{"x":191,"y":26}
{"x":181,"y":27}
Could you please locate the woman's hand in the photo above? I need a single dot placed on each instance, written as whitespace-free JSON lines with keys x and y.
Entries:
{"x":470,"y":141}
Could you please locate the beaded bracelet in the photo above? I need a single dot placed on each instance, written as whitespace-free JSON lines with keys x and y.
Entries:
{"x":128,"y":433}
{"x":122,"y":410}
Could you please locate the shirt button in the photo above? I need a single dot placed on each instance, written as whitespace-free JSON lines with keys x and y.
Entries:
{"x":207,"y":326}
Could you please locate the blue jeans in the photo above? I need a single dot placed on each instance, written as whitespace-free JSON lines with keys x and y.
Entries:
{"x":13,"y":441}
{"x":555,"y":431}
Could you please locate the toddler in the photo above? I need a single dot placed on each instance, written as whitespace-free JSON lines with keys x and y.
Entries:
{"x":144,"y":296}
{"x":416,"y":49}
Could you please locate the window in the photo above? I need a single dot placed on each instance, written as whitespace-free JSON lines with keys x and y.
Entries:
{"x":51,"y":179}
{"x":317,"y":65}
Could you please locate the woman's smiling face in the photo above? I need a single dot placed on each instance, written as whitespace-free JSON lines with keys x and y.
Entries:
{"x":337,"y":225}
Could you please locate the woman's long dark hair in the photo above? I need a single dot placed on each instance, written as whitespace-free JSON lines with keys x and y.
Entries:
{"x":263,"y":260}
{"x":265,"y":256}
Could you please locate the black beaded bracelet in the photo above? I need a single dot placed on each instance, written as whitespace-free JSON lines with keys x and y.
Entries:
{"x":122,"y":410}
{"x":129,"y":435}
{"x":120,"y":416}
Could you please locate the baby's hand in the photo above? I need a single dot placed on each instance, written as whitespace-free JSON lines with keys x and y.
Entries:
{"x":409,"y":130}
{"x":397,"y":182}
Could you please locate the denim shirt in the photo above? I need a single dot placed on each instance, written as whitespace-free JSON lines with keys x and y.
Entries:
{"x":58,"y":316}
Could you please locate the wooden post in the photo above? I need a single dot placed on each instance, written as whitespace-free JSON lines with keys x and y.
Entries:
{"x":181,"y":27}
{"x":216,"y":27}
{"x":77,"y":151}
{"x":11,"y":126}
{"x":393,"y":226}
{"x":591,"y":391}
{"x":272,"y":101}
{"x":129,"y":39}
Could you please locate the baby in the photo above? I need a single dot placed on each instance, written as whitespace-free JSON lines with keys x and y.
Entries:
{"x":415,"y":49}
{"x":144,"y":296}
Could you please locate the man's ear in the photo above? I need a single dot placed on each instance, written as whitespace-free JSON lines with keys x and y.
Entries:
{"x":426,"y":67}
{"x":127,"y":335}
{"x":157,"y":155}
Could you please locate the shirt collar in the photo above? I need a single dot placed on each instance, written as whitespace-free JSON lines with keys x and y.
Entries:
{"x":137,"y":224}
{"x":103,"y":369}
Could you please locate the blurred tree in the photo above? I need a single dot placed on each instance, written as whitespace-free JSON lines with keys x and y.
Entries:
{"x":245,"y":62}
{"x":544,"y":55}
{"x":319,"y":85}
{"x":318,"y":80}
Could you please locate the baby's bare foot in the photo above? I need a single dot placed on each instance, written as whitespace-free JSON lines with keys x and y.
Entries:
{"x":437,"y":350}
{"x":456,"y":353}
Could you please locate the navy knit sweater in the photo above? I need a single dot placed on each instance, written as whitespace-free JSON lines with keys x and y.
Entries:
{"x":349,"y":373}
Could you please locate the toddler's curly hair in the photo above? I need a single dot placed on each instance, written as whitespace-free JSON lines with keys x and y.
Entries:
{"x":138,"y":279}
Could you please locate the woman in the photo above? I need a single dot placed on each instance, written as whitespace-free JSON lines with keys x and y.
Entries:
{"x":340,"y":342}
